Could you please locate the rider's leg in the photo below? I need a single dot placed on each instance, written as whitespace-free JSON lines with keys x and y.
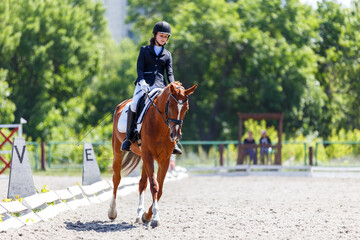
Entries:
{"x":129,"y":131}
{"x":130,"y":120}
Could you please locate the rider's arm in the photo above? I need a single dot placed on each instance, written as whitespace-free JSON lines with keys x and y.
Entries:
{"x":169,"y":70}
{"x":140,"y":65}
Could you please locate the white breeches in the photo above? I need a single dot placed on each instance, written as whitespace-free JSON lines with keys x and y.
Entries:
{"x":138,"y":93}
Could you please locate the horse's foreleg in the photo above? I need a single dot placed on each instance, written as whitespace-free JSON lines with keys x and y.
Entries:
{"x":142,"y":188}
{"x":163,"y":167}
{"x":118,"y":156}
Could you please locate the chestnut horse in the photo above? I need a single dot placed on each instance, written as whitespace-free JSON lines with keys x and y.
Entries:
{"x":160,"y":130}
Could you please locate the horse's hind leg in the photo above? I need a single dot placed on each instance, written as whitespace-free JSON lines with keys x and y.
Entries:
{"x":118,"y":157}
{"x":148,"y":166}
{"x":142,"y":188}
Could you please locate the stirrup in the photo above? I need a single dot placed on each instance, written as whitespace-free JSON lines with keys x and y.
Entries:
{"x":177,"y":150}
{"x":125,"y":146}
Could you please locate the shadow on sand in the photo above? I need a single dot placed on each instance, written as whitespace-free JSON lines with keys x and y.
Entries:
{"x":99,"y":226}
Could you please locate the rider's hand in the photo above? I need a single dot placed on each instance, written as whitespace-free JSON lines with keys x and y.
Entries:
{"x":144,"y":86}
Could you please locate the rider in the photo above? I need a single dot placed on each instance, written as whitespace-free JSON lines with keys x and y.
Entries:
{"x":152,"y":61}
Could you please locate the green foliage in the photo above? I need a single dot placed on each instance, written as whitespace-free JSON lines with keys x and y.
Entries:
{"x":60,"y":70}
{"x":114,"y":82}
{"x":339,"y":66}
{"x":256,"y":128}
{"x":293,"y":152}
{"x":104,"y":156}
{"x":248,"y":56}
{"x":344,"y":147}
{"x":45,"y":189}
{"x":55,"y":53}
{"x":7,"y":108}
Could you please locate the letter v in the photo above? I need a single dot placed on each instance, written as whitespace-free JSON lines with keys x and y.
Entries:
{"x":22,"y":154}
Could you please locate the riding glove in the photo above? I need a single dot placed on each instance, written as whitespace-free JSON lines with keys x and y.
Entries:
{"x":144,"y":86}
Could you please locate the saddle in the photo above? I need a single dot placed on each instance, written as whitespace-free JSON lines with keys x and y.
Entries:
{"x":141,"y":109}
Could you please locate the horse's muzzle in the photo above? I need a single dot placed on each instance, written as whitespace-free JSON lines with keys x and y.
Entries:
{"x":175,"y":137}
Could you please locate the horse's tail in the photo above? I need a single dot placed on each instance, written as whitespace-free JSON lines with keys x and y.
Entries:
{"x":130,"y":163}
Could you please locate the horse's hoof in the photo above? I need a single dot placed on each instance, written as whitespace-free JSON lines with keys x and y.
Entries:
{"x":112,"y":214}
{"x":144,"y":220}
{"x":138,"y":220}
{"x":154,"y":223}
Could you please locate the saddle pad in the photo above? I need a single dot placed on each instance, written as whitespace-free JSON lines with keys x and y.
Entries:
{"x":123,"y":117}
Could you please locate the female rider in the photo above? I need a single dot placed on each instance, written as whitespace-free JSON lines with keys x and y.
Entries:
{"x":152,"y":61}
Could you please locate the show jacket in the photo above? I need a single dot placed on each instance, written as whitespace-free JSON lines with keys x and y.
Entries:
{"x":151,"y":67}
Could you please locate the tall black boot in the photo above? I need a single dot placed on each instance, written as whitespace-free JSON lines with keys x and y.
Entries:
{"x":129,"y":131}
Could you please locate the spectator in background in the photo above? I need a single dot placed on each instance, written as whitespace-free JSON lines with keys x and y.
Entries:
{"x":250,"y":151}
{"x":264,"y":140}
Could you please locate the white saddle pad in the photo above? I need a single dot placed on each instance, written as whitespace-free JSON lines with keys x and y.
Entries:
{"x":123,"y":117}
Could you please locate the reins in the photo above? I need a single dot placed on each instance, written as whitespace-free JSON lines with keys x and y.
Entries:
{"x":166,"y":119}
{"x":152,"y":103}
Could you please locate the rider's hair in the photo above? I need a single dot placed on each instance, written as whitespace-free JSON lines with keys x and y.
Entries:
{"x":152,"y":41}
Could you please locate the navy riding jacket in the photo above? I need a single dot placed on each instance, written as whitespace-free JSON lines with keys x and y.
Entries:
{"x":151,"y":67}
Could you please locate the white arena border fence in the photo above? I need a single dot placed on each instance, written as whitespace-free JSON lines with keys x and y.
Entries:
{"x":276,"y":170}
{"x":44,"y":206}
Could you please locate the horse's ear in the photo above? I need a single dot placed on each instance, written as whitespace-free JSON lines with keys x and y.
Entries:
{"x":172,"y":89}
{"x":190,"y":90}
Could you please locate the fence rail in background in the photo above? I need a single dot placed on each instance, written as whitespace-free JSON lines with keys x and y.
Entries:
{"x":61,"y":155}
{"x":337,"y":153}
{"x":64,"y":154}
{"x":67,"y":155}
{"x":33,"y":153}
{"x":210,"y":153}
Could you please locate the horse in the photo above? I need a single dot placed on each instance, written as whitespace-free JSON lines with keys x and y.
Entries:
{"x":160,"y":130}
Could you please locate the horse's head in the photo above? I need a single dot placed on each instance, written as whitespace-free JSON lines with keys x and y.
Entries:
{"x":176,"y":107}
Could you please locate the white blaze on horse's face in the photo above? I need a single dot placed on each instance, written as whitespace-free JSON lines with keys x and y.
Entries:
{"x":178,"y":110}
{"x":180,"y":105}
{"x":179,"y":96}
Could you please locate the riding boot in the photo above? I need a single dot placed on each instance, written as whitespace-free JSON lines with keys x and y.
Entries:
{"x":177,"y":150}
{"x":129,"y":131}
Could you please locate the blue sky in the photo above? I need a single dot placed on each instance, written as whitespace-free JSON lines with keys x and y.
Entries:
{"x":345,"y":3}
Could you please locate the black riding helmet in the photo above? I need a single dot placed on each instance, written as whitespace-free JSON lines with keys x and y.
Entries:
{"x":162,"y":27}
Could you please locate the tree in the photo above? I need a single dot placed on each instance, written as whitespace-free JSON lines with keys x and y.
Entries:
{"x":250,"y":56}
{"x":339,"y":66}
{"x":114,"y":82}
{"x":55,"y":53}
{"x":7,"y":108}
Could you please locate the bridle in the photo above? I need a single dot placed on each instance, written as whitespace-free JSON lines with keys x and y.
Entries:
{"x":168,"y":120}
{"x":175,"y":121}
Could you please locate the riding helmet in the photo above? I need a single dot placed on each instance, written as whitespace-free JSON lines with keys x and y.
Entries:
{"x":162,"y":27}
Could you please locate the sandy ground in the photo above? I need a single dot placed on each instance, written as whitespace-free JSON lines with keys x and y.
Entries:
{"x":220,"y":207}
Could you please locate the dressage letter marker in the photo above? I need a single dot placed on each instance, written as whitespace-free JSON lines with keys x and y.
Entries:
{"x":91,"y":171}
{"x":21,"y":157}
{"x":20,"y":181}
{"x":88,"y":153}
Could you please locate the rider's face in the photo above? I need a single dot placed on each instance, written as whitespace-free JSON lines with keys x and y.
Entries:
{"x":161,"y":38}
